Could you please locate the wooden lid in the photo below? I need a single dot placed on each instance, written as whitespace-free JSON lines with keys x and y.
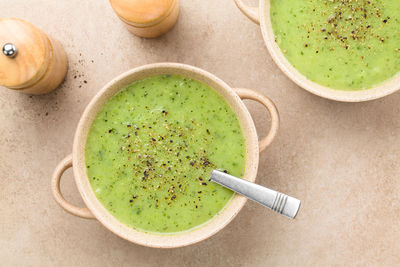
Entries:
{"x":142,"y":12}
{"x":32,"y":57}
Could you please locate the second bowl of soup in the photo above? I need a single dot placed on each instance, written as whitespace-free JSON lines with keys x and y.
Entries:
{"x":145,"y":148}
{"x":342,"y":50}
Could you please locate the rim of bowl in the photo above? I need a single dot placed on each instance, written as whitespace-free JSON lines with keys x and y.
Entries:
{"x":180,"y":239}
{"x":387,"y":87}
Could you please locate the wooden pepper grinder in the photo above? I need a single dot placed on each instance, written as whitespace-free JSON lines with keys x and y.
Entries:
{"x":30,"y":61}
{"x":147,"y":18}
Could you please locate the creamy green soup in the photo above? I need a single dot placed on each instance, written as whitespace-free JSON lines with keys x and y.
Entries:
{"x":151,"y":149}
{"x":342,"y":44}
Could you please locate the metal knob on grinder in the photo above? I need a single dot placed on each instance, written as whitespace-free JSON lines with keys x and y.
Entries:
{"x":10,"y":50}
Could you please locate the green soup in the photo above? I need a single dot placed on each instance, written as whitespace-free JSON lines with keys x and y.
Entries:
{"x":342,"y":44}
{"x":151,"y":149}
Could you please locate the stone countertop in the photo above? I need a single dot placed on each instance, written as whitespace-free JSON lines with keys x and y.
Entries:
{"x":340,"y":159}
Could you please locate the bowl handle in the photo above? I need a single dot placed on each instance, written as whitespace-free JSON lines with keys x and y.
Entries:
{"x":251,"y":12}
{"x":273,"y":112}
{"x":55,"y":188}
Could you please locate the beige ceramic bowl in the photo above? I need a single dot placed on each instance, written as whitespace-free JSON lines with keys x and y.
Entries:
{"x":95,"y":209}
{"x":261,"y":15}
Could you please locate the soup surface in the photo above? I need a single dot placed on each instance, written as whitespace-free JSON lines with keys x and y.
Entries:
{"x":151,"y":149}
{"x":342,"y":44}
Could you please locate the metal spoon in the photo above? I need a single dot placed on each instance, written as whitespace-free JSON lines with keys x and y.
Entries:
{"x":278,"y":202}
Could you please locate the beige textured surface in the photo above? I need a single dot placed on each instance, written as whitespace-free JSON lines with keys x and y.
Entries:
{"x":340,"y":159}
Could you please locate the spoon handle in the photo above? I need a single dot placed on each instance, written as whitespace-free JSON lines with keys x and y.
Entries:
{"x":278,"y":202}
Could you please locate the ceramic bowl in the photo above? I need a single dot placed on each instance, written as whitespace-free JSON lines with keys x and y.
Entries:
{"x":95,"y":209}
{"x":261,"y":15}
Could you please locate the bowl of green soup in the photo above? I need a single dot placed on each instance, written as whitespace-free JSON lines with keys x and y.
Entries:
{"x":146,"y":145}
{"x":342,"y":50}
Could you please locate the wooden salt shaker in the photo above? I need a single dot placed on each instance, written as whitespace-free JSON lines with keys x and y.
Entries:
{"x":30,"y":62}
{"x":147,"y":18}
